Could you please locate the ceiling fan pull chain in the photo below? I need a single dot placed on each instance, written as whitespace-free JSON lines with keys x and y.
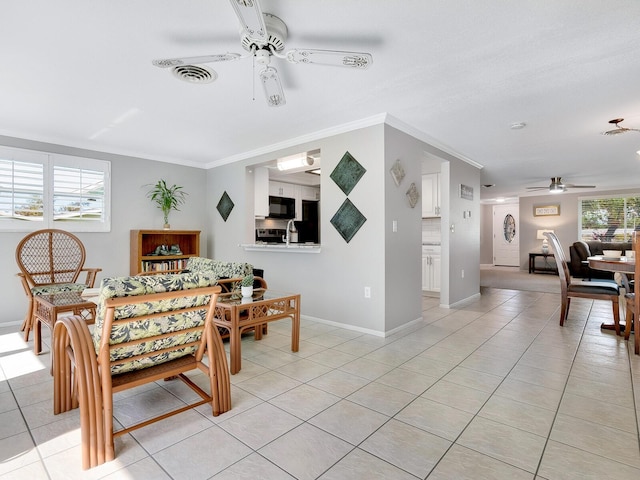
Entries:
{"x":253,"y":71}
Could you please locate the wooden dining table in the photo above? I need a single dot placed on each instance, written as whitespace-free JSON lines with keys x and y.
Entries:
{"x":623,"y":265}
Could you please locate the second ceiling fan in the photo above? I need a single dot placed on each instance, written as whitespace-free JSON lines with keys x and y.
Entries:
{"x":263,"y":36}
{"x":558,"y":186}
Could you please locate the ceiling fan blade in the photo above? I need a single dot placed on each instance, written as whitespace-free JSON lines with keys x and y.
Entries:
{"x":569,"y":185}
{"x":174,"y":62}
{"x":272,"y":87}
{"x":537,"y":188}
{"x":251,"y":20}
{"x":337,"y":58}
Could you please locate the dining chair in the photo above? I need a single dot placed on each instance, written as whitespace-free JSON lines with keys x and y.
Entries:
{"x":633,"y":307}
{"x":50,"y":261}
{"x":594,"y":289}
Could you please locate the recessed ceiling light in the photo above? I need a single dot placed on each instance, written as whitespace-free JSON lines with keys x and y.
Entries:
{"x":500,"y":199}
{"x":518,"y":126}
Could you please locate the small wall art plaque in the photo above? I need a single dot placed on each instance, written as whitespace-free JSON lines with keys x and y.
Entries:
{"x":225,"y":205}
{"x":347,"y":173}
{"x":413,"y":195}
{"x":348,"y":220}
{"x":466,"y":192}
{"x":397,"y":172}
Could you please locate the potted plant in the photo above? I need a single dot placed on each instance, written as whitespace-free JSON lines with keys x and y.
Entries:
{"x":246,"y":285}
{"x":167,"y":198}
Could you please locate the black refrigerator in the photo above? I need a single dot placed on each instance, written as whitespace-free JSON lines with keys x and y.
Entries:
{"x":309,"y":226}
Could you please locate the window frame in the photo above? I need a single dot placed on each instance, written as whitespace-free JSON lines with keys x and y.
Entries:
{"x":49,"y":162}
{"x":626,"y":222}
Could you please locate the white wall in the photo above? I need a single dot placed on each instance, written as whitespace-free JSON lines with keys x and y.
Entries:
{"x":130,"y":210}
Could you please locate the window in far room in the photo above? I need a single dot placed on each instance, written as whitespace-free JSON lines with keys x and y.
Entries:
{"x":612,"y":218}
{"x":41,"y":190}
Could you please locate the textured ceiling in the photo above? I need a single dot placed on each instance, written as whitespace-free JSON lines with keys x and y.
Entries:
{"x":79,"y":73}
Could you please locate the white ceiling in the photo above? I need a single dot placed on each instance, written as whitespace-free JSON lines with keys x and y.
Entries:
{"x":79,"y":73}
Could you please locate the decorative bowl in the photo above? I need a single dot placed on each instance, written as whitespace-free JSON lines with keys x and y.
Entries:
{"x":612,"y":254}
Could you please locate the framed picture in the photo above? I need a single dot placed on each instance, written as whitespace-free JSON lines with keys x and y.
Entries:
{"x":466,"y":192}
{"x":546,"y":210}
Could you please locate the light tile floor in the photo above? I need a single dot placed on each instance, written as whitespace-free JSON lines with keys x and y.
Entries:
{"x":494,"y":390}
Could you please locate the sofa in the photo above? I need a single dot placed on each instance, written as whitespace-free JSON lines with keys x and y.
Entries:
{"x":223,"y":270}
{"x":580,"y":250}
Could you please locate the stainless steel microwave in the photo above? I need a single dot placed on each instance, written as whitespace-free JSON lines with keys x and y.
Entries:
{"x":282,"y":207}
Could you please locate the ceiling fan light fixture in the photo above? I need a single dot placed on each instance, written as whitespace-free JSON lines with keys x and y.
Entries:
{"x":272,"y":87}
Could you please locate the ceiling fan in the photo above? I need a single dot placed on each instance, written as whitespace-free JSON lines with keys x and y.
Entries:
{"x":263,"y":36}
{"x":619,"y":130}
{"x":557,"y":186}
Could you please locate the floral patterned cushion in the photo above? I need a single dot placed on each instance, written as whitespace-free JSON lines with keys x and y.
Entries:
{"x":141,"y":285}
{"x":218,"y":268}
{"x":58,"y":288}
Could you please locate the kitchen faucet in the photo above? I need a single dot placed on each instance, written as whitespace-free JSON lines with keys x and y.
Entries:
{"x":291,"y":228}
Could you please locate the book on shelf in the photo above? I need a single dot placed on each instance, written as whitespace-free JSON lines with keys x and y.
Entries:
{"x":162,"y":265}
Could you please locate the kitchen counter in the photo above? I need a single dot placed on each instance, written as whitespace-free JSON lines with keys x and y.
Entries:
{"x":282,"y":247}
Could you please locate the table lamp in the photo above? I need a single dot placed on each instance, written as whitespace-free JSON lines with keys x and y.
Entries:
{"x":545,"y":242}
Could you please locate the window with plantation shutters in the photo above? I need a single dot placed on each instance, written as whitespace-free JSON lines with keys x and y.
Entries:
{"x":41,"y":190}
{"x":78,"y":194}
{"x":21,"y":191}
{"x":611,"y":218}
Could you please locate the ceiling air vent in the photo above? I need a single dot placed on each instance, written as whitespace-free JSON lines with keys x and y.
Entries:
{"x":194,"y":74}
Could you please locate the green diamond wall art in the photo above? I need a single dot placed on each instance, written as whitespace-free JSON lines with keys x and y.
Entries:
{"x":225,"y":205}
{"x":348,"y":220}
{"x":347,"y":173}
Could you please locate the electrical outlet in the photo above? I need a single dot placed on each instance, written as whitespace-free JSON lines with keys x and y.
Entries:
{"x":367,"y":292}
{"x":463,"y":273}
{"x":394,"y":226}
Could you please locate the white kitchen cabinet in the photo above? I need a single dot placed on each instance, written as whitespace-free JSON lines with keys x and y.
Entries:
{"x":281,"y":189}
{"x":431,"y":269}
{"x":431,"y":195}
{"x":309,"y":193}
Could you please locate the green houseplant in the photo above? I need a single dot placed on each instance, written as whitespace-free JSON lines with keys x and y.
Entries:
{"x":167,"y":198}
{"x":246,"y":285}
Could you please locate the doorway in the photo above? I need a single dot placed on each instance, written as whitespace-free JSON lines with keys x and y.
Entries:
{"x":506,"y":235}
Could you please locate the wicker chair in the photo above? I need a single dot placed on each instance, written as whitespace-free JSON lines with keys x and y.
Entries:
{"x":148,"y":328}
{"x":50,"y":261}
{"x":596,"y":290}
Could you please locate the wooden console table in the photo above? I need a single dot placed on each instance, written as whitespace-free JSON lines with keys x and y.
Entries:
{"x":549,"y":267}
{"x":237,"y":314}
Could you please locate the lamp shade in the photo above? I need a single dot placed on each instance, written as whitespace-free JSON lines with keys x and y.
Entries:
{"x":541,"y":234}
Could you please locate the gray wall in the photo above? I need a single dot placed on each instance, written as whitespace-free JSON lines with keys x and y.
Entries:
{"x":486,"y":234}
{"x":332,"y":282}
{"x":130,"y":210}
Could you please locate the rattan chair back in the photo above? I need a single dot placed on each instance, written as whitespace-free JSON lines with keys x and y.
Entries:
{"x":50,"y":256}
